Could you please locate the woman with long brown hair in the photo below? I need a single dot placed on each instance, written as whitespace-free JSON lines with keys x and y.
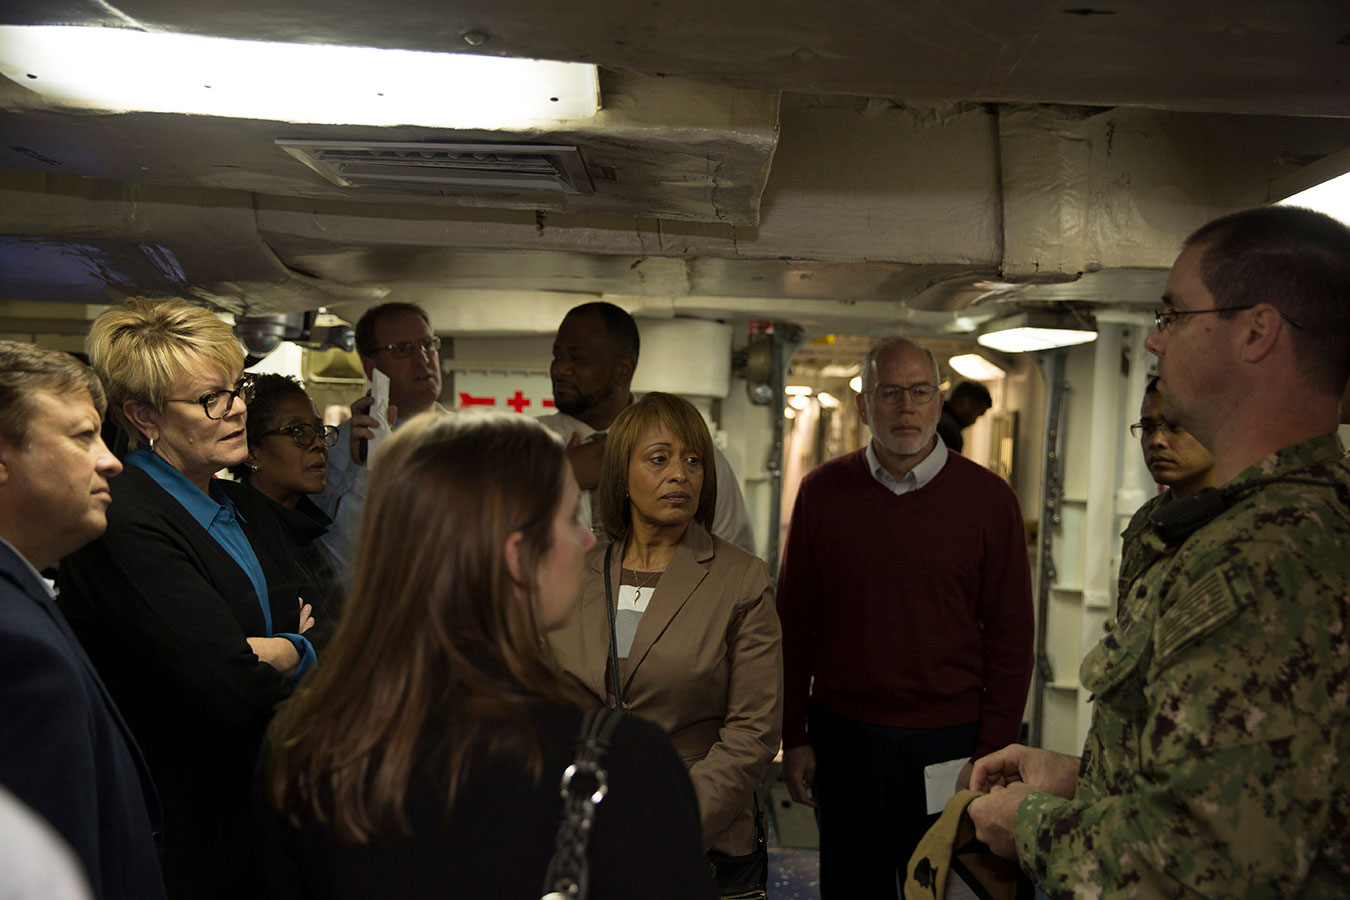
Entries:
{"x":424,"y":758}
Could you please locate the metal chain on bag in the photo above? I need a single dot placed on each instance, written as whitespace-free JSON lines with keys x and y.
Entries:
{"x":568,"y":872}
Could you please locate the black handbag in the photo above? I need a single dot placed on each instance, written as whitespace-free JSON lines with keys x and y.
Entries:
{"x":744,"y":877}
{"x":584,"y":785}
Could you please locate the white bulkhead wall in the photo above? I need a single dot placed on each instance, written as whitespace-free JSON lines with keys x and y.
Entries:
{"x":1104,"y":482}
{"x":689,"y":357}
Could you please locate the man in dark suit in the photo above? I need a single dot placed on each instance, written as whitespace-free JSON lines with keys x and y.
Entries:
{"x":64,"y":749}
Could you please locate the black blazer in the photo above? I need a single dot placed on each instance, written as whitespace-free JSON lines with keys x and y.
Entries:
{"x":163,"y":611}
{"x":64,"y":749}
{"x":496,"y":846}
{"x":314,"y":571}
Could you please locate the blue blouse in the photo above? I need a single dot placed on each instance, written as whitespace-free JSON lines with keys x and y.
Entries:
{"x":218,"y":516}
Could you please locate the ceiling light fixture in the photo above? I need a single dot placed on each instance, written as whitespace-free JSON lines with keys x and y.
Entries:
{"x":975,"y":367}
{"x":1323,"y":185}
{"x":122,"y":69}
{"x":797,"y":390}
{"x":1033,"y":330}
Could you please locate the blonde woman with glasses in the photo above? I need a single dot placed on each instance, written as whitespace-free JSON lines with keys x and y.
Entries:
{"x":185,"y":609}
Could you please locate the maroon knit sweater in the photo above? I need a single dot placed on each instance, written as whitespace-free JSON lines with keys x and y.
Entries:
{"x":912,"y":610}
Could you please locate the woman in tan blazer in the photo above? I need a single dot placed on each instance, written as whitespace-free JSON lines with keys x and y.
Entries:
{"x":689,"y":636}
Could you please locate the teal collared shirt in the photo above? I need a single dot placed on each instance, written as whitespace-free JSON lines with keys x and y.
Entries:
{"x":915,"y":478}
{"x":217,"y":515}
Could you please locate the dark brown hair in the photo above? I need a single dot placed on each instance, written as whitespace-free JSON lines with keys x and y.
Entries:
{"x":654,"y":409}
{"x":1298,"y":261}
{"x":28,"y":368}
{"x":371,"y":318}
{"x":438,"y":653}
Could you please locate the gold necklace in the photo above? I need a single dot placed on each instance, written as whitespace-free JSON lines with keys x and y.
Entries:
{"x":651,"y":577}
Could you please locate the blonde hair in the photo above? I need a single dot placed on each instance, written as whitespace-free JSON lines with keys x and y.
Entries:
{"x":436,"y":630}
{"x":141,"y":348}
{"x":656,"y":408}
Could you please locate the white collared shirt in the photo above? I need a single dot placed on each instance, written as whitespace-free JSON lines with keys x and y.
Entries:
{"x":925,"y":471}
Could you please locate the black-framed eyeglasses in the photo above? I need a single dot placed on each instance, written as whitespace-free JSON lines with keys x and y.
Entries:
{"x":890,"y":394}
{"x":217,"y":404}
{"x":404,"y":349}
{"x":1165,"y":317}
{"x":304,"y":434}
{"x":1148,"y":428}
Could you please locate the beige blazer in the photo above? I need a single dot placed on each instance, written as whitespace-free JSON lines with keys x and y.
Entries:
{"x":706,"y":665}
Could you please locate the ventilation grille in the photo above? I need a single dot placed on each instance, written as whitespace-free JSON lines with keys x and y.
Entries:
{"x":517,"y":168}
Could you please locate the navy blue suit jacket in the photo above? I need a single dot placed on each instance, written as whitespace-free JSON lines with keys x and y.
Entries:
{"x":64,"y":749}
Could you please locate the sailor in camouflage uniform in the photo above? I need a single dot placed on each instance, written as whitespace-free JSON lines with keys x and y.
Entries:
{"x":1176,"y":460}
{"x":1218,"y":761}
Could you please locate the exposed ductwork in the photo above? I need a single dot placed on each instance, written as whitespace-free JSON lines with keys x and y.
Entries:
{"x":518,"y":168}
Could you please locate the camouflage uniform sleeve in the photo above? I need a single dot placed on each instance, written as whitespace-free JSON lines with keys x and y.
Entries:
{"x":1220,"y":740}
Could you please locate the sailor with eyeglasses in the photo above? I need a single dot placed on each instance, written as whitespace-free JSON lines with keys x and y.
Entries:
{"x":1178,"y":463}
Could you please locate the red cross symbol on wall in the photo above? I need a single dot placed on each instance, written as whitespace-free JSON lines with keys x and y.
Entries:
{"x":518,"y":402}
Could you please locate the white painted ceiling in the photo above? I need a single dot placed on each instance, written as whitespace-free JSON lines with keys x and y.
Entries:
{"x":919,"y":164}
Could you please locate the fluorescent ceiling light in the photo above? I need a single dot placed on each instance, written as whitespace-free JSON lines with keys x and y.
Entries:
{"x":1331,"y":197}
{"x":799,"y":401}
{"x":1033,"y":330}
{"x":1323,"y":185}
{"x":976,"y":367}
{"x":122,"y":69}
{"x":855,"y":383}
{"x":1029,"y":340}
{"x":797,"y":390}
{"x":828,"y":400}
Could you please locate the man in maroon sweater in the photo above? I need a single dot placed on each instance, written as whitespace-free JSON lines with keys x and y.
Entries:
{"x":905,"y":599}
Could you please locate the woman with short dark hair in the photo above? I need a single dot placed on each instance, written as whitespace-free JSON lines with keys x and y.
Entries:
{"x":287,"y":462}
{"x":679,"y":627}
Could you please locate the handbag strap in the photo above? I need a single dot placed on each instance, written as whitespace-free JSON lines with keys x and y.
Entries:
{"x":613,"y":639}
{"x":568,"y":874}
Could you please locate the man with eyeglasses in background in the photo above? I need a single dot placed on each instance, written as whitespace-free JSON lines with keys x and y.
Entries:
{"x":396,"y":339}
{"x":1175,"y":459}
{"x":1216,"y":761}
{"x":905,"y":599}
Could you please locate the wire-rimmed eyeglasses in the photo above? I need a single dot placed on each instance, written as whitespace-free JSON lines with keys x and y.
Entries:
{"x":890,"y":394}
{"x":404,"y":349}
{"x":217,"y":404}
{"x":304,"y":434}
{"x":1149,"y":428}
{"x":1163,"y":318}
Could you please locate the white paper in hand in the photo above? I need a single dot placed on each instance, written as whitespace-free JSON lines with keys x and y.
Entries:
{"x":379,"y":391}
{"x":939,"y":783}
